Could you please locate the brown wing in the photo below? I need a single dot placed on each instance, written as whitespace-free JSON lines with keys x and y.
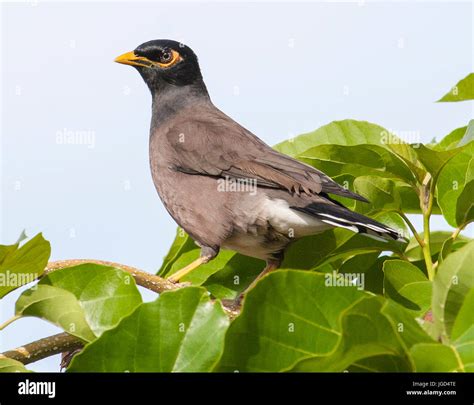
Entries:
{"x":215,"y":145}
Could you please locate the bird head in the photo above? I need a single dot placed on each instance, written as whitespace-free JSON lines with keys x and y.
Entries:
{"x":164,"y":62}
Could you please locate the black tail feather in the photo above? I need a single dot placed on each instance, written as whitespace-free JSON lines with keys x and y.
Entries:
{"x":340,"y":216}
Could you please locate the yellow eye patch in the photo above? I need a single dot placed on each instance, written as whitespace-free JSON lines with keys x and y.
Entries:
{"x":174,"y":57}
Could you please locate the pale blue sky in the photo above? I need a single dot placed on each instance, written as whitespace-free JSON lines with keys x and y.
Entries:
{"x":280,"y":69}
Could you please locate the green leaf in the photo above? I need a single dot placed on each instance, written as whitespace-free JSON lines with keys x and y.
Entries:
{"x":181,"y":331}
{"x":437,"y":239}
{"x":464,"y":319}
{"x":451,"y":286}
{"x":434,"y":358}
{"x":377,"y":335}
{"x":239,"y":272}
{"x":366,"y":333}
{"x":5,"y":251}
{"x":368,"y":264}
{"x":452,"y":181}
{"x":313,"y":251}
{"x":385,"y":363}
{"x":464,"y":346}
{"x":346,"y":132}
{"x":465,"y":205}
{"x":12,"y":366}
{"x":383,"y":194}
{"x":468,"y":137}
{"x":408,"y":154}
{"x":84,"y":300}
{"x":358,"y":167}
{"x":57,"y":306}
{"x":106,"y":294}
{"x":451,"y":140}
{"x":181,"y":244}
{"x":407,"y":285}
{"x":22,"y":265}
{"x":22,"y":237}
{"x":379,"y":191}
{"x":446,"y":249}
{"x":358,"y":160}
{"x":435,"y":160}
{"x":322,"y":148}
{"x":405,"y":325}
{"x":455,"y":357}
{"x":288,"y":316}
{"x":464,"y":90}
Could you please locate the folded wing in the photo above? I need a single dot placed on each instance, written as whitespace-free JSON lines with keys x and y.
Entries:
{"x":238,"y":154}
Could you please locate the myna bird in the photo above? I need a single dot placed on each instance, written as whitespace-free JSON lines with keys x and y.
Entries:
{"x":224,"y":186}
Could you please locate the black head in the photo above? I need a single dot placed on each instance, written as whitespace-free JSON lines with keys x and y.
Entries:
{"x":164,"y":62}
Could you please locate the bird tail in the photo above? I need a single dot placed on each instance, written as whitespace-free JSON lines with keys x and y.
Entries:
{"x":341,"y":217}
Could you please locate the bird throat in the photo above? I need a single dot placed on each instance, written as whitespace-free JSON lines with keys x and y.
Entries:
{"x":169,"y":99}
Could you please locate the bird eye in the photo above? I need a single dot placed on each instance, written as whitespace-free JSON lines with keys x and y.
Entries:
{"x":166,"y":57}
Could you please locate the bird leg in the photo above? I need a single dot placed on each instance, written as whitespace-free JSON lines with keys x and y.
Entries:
{"x":207,"y":254}
{"x":175,"y":277}
{"x":271,"y":266}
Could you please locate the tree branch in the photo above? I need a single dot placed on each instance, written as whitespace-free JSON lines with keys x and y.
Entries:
{"x":64,"y":342}
{"x":427,"y":208}
{"x":458,"y":231}
{"x":412,"y":229}
{"x":142,"y":278}
{"x":46,"y":347}
{"x":149,"y":281}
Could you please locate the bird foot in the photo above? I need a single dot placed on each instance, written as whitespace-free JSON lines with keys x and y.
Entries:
{"x":233,"y":304}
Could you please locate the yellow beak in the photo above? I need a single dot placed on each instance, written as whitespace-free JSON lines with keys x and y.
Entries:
{"x":130,"y":58}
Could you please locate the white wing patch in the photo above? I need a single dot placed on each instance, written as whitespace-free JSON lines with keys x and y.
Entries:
{"x":351,"y":228}
{"x":285,"y":219}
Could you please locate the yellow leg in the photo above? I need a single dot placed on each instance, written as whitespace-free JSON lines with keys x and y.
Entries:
{"x":175,"y":277}
{"x":268,"y":268}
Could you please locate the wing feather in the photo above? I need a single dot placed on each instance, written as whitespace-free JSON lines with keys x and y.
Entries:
{"x":238,"y":154}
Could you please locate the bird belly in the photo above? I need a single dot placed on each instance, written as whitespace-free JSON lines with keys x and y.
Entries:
{"x":253,"y":245}
{"x":271,"y":227}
